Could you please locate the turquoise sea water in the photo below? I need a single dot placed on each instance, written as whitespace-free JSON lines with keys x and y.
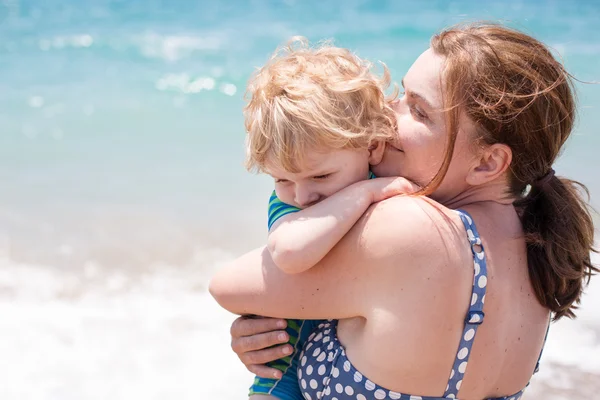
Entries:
{"x":137,"y":104}
{"x":121,"y":176}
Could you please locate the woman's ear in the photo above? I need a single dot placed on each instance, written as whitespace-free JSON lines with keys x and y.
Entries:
{"x":493,"y":162}
{"x":376,"y":150}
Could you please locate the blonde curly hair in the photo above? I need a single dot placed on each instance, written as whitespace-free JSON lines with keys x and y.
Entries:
{"x":314,"y":99}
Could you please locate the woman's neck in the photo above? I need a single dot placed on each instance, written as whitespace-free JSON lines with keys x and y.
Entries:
{"x":494,"y":192}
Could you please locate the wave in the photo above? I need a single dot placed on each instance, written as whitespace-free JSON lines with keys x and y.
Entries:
{"x":99,"y":335}
{"x":184,"y":83}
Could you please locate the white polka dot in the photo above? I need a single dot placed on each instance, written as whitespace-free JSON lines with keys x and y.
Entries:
{"x":448,"y":386}
{"x":325,"y":380}
{"x":469,"y":334}
{"x":379,"y":394}
{"x":463,"y":353}
{"x":307,"y":396}
{"x":451,"y":396}
{"x":309,"y":370}
{"x":369,"y":385}
{"x":312,"y":335}
{"x":483,"y":299}
{"x":346,"y":365}
{"x":326,"y":331}
{"x":321,"y":370}
{"x":316,"y":352}
{"x":339,"y":388}
{"x":416,"y":398}
{"x":357,"y":377}
{"x":330,"y":346}
{"x":477,"y":268}
{"x":360,"y":397}
{"x":469,"y":220}
{"x":328,"y":391}
{"x":480,"y":255}
{"x":321,"y":357}
{"x":474,"y":299}
{"x":482,"y":281}
{"x":303,"y":361}
{"x":318,"y":337}
{"x":349,"y":391}
{"x":335,"y":372}
{"x":313,"y":383}
{"x":452,"y":374}
{"x":303,"y":383}
{"x":308,"y":346}
{"x":474,"y":318}
{"x":458,"y":385}
{"x":330,"y":356}
{"x":462,"y":367}
{"x":470,"y":234}
{"x":326,"y":339}
{"x":394,"y":395}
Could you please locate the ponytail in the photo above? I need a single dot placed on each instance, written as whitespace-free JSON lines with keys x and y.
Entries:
{"x":559,"y":232}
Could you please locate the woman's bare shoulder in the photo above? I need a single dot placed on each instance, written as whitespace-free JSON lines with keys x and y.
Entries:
{"x":407,"y":228}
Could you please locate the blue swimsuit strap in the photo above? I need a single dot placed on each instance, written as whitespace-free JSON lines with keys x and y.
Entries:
{"x":475,"y":315}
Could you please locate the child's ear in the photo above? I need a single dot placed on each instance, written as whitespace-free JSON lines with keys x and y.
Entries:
{"x":376,"y":150}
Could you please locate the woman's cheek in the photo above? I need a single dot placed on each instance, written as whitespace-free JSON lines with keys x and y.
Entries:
{"x":389,"y":165}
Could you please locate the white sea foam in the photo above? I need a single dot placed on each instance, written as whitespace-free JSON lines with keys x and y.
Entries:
{"x":185,"y":84}
{"x":175,"y":47}
{"x":162,"y":337}
{"x":228,"y":88}
{"x":61,"y":42}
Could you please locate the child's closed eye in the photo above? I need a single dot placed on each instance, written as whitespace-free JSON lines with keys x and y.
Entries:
{"x":321,"y":177}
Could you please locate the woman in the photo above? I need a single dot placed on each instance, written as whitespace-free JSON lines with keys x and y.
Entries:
{"x":485,"y":113}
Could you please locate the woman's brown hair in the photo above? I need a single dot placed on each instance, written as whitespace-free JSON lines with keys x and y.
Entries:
{"x":518,"y":94}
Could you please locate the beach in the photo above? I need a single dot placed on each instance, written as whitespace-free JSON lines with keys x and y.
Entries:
{"x":123,"y":187}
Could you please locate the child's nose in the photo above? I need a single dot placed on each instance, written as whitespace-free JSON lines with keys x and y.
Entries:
{"x":306,"y":198}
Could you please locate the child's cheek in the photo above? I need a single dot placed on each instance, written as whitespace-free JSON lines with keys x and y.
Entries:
{"x":285,"y":193}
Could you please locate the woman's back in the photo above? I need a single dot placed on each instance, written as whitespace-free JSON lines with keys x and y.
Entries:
{"x":409,"y":338}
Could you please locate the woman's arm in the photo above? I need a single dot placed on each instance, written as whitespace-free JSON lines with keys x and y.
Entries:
{"x":357,"y":268}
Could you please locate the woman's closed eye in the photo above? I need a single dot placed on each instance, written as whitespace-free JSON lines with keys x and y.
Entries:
{"x":417,"y":112}
{"x":277,"y":180}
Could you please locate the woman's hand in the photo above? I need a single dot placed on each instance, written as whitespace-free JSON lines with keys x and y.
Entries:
{"x":258,"y":340}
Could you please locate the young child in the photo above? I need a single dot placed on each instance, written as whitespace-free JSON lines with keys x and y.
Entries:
{"x":316,"y":118}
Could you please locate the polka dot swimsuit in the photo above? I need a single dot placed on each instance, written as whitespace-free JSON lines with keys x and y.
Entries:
{"x":326,"y":373}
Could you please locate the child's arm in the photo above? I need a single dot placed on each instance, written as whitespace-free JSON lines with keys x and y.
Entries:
{"x":299,"y":239}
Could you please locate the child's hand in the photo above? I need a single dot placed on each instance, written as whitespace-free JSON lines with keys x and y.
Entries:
{"x":384,"y":188}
